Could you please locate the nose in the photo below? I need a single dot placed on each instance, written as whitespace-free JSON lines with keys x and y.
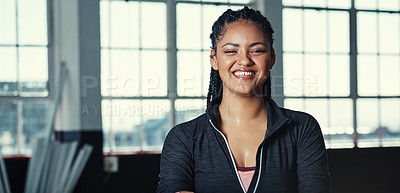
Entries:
{"x":244,"y":59}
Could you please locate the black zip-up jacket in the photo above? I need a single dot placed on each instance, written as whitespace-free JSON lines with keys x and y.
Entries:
{"x":292,"y":158}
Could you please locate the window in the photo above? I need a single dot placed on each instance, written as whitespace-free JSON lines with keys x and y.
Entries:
{"x":134,"y":75}
{"x":351,"y":85}
{"x":146,"y":87}
{"x":378,"y":69}
{"x":24,"y":74}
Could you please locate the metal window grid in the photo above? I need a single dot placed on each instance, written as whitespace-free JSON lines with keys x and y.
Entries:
{"x":18,"y":98}
{"x":354,"y":96}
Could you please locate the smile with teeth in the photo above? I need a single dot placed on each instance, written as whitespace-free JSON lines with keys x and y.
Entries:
{"x":243,"y":74}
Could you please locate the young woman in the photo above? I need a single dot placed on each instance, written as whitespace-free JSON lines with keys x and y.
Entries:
{"x":244,"y":142}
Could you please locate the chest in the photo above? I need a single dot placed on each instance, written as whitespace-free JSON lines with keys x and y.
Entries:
{"x":244,"y":142}
{"x":214,"y":171}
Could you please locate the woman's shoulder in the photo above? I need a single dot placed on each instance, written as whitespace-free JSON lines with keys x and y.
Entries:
{"x":304,"y":128}
{"x":299,"y":117}
{"x":189,"y":128}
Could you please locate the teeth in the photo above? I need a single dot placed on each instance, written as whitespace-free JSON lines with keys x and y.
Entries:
{"x":240,"y":73}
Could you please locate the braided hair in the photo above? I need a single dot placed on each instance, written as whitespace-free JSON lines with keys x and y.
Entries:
{"x":218,"y":29}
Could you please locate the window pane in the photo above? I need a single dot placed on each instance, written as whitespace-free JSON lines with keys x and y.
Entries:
{"x":189,"y":109}
{"x":32,"y":22}
{"x":124,"y":24}
{"x":367,"y":75}
{"x":35,"y":117}
{"x":216,"y":1}
{"x":105,"y":23}
{"x":365,"y":4}
{"x":8,"y":72}
{"x":314,"y":3}
{"x":292,"y":30}
{"x":366,"y":32}
{"x":7,"y":22}
{"x":33,"y":70}
{"x":155,"y":123}
{"x":315,"y":31}
{"x":344,"y":4}
{"x":189,"y":73}
{"x":340,"y":131}
{"x":339,"y":75}
{"x":121,"y":124}
{"x":105,"y":73}
{"x":153,"y":25}
{"x":390,"y":122}
{"x":154,"y":73}
{"x":188,"y":26}
{"x":315,"y":76}
{"x":8,"y":127}
{"x":389,"y":33}
{"x":293,"y":74}
{"x":292,"y":2}
{"x":389,"y":76}
{"x":239,"y":1}
{"x":294,"y":104}
{"x":339,"y":31}
{"x":388,"y":5}
{"x":121,"y":77}
{"x":367,"y":122}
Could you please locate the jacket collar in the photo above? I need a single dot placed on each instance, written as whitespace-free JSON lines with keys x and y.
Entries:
{"x":275,"y":115}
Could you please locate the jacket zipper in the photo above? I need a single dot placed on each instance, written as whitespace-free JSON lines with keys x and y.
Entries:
{"x":233,"y":161}
{"x":259,"y":171}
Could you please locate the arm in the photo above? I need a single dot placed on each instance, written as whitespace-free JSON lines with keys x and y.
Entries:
{"x":312,"y":161}
{"x":176,"y":164}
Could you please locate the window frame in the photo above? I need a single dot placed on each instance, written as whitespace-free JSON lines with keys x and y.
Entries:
{"x":353,"y":55}
{"x":20,"y":99}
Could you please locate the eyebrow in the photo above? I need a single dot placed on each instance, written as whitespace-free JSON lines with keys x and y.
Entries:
{"x":257,"y":43}
{"x":237,"y":45}
{"x":230,"y":44}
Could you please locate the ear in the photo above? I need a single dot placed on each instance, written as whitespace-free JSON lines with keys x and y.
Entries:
{"x":213,"y":59}
{"x":273,"y":58}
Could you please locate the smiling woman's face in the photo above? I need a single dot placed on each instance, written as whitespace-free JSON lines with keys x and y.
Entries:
{"x":243,"y":59}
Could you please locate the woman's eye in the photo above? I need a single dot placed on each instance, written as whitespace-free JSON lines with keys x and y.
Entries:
{"x":258,"y":51}
{"x":230,"y":51}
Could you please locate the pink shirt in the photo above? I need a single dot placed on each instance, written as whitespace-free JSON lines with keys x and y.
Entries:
{"x":246,"y":174}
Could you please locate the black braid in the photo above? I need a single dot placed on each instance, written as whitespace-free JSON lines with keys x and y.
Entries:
{"x":267,"y":87}
{"x":247,"y":14}
{"x":215,"y":88}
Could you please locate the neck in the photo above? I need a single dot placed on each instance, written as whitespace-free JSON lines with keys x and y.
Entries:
{"x":242,"y":108}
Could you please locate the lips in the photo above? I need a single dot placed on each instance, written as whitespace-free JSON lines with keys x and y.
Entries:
{"x":244,"y":74}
